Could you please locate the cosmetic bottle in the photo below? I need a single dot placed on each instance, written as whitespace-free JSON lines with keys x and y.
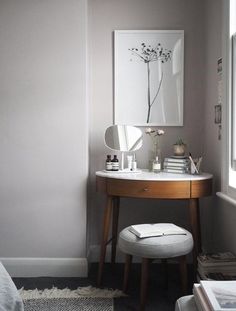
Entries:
{"x":134,"y":163}
{"x":129,"y":161}
{"x":156,"y":165}
{"x":115,"y":163}
{"x":108,"y":163}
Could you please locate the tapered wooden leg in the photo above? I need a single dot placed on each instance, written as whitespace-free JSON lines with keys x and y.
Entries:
{"x":115,"y":217}
{"x":105,"y":232}
{"x":144,"y":282}
{"x":196,"y":230}
{"x":183,"y":274}
{"x":165,"y":271}
{"x":128,"y":261}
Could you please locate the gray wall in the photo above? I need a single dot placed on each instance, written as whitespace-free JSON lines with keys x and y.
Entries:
{"x":43,"y":129}
{"x":212,"y":145}
{"x":44,"y":123}
{"x":222,"y":216}
{"x":103,"y":17}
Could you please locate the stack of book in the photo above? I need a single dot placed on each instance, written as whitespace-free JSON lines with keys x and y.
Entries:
{"x":218,"y":266}
{"x":177,"y":165}
{"x":215,"y":295}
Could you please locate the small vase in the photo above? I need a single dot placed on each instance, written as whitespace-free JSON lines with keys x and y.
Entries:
{"x":156,"y":153}
{"x":179,"y":150}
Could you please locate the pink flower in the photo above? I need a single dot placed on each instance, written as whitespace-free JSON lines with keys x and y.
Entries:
{"x":149,"y":131}
{"x":154,"y":134}
{"x":160,"y":132}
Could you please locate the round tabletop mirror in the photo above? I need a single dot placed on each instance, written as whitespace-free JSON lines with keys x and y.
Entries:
{"x":125,"y":138}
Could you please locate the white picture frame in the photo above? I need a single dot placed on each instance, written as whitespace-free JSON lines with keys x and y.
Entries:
{"x":148,"y":77}
{"x":220,"y":295}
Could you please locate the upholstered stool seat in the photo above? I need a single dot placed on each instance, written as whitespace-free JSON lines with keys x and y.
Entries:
{"x":165,"y":246}
{"x":159,"y":247}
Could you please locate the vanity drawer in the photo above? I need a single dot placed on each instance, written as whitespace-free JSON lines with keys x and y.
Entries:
{"x":149,"y":189}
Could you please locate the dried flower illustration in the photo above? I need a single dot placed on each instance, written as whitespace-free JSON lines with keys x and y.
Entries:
{"x":148,"y":54}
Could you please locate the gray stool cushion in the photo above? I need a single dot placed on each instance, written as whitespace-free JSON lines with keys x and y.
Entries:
{"x":165,"y":246}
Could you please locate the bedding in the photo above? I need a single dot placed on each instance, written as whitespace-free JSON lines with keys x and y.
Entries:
{"x":10,"y":299}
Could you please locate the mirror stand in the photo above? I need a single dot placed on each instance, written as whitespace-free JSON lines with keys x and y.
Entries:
{"x":123,"y":138}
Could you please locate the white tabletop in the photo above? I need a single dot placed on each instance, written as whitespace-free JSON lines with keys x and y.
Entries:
{"x":146,"y":175}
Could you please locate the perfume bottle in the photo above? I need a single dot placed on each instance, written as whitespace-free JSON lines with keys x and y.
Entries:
{"x":108,"y":163}
{"x":156,"y":165}
{"x":115,"y":163}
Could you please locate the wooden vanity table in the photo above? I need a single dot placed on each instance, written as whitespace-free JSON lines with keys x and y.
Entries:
{"x":154,"y":186}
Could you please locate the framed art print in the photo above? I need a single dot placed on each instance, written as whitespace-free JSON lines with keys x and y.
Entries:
{"x":148,"y":77}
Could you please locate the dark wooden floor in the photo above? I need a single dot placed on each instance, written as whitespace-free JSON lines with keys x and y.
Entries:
{"x":159,"y":297}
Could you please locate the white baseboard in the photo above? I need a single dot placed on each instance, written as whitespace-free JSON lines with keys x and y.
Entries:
{"x":50,"y":267}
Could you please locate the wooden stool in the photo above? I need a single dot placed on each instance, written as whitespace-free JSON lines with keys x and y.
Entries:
{"x":160,"y":247}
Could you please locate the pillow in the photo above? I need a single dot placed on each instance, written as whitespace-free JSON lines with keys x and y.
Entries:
{"x":10,"y":299}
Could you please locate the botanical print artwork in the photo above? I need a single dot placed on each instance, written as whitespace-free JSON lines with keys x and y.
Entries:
{"x":148,"y":54}
{"x":225,"y":298}
{"x":148,"y":85}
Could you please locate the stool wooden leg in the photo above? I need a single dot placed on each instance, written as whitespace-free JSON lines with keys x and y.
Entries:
{"x":144,"y":282}
{"x":165,"y":271}
{"x":128,"y":261}
{"x":183,"y":274}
